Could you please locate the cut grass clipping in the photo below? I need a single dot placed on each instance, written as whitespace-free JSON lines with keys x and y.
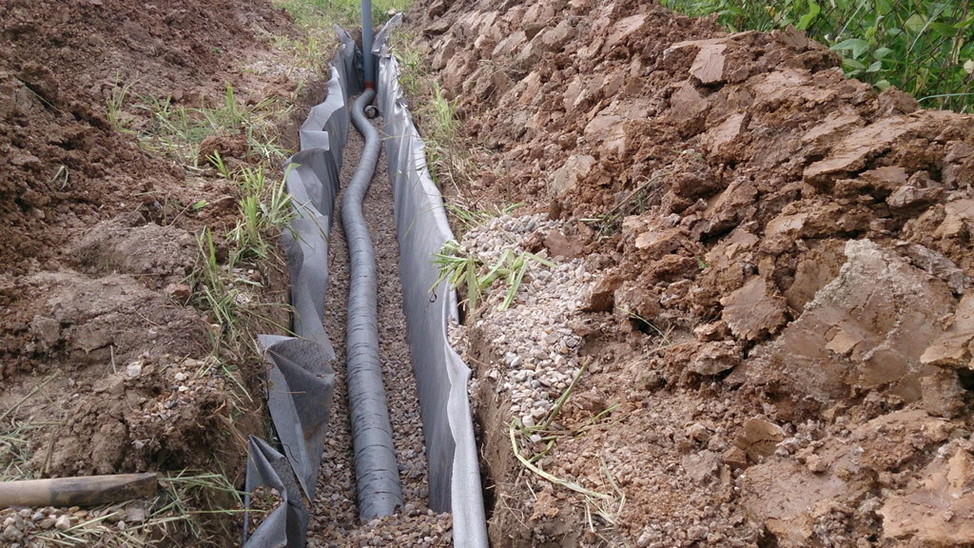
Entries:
{"x":470,"y":272}
{"x":170,"y":515}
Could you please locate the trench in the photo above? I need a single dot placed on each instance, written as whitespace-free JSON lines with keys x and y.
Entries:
{"x":334,"y":512}
{"x":372,"y":432}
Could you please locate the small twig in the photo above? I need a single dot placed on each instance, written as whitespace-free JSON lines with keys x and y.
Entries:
{"x":50,"y":449}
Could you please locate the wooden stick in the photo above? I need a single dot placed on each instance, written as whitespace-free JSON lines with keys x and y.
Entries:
{"x":79,"y":491}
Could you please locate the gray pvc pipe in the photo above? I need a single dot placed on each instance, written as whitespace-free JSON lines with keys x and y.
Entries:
{"x":376,"y":470}
{"x":368,"y":67}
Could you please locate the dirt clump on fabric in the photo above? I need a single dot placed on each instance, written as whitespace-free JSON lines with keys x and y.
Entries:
{"x":780,"y":319}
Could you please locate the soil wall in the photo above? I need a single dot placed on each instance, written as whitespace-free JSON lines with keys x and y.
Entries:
{"x":778,"y":311}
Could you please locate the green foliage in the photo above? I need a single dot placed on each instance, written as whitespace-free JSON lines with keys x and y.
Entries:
{"x":476,"y":276}
{"x":471,"y":218}
{"x":264,"y":208}
{"x":924,"y":47}
{"x":345,"y":13}
{"x":441,"y":113}
{"x":414,"y":67}
{"x":177,"y":131}
{"x":115,"y":113}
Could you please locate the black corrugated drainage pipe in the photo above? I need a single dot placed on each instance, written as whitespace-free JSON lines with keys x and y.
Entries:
{"x":376,"y":470}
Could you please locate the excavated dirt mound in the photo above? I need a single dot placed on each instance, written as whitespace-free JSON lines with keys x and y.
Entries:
{"x":67,"y":167}
{"x":782,"y":318}
{"x":102,"y":356}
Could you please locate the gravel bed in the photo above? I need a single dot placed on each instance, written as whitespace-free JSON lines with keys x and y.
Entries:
{"x":334,"y":519}
{"x":48,"y":526}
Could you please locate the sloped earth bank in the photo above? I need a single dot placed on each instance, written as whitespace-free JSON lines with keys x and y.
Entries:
{"x":764,"y":271}
{"x":105,"y":367}
{"x":334,"y":513}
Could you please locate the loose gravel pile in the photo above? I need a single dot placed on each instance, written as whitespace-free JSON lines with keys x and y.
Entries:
{"x":334,"y":513}
{"x":535,"y":333}
{"x":49,"y":526}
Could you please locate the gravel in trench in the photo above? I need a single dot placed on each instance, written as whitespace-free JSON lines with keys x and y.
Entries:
{"x":334,"y":515}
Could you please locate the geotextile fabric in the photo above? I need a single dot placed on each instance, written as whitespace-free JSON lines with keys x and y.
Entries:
{"x":299,"y":372}
{"x":441,"y":375}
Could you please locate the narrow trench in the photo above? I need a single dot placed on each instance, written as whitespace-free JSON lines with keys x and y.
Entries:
{"x":334,"y":513}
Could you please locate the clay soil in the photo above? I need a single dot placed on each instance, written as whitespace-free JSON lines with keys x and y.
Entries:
{"x":781,"y":329}
{"x":108,"y":361}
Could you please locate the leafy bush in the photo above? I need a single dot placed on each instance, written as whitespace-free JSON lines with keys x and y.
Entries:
{"x":924,"y":47}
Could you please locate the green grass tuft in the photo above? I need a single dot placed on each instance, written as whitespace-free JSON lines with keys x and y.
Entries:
{"x":345,"y":13}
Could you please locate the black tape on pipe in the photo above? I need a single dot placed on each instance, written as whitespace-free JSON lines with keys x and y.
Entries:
{"x":376,"y":469}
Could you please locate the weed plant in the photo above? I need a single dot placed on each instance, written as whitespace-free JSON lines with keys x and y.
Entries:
{"x":924,"y":47}
{"x":177,"y":131}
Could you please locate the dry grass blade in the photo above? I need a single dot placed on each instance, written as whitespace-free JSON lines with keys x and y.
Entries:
{"x":29,"y":395}
{"x":550,"y":477}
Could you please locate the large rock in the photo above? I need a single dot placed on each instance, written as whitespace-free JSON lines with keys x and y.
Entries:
{"x":715,"y":357}
{"x":708,"y":66}
{"x":797,"y":503}
{"x":853,"y":152}
{"x":608,"y":130}
{"x":788,"y":499}
{"x":958,"y":220}
{"x":936,"y":509}
{"x":564,"y":181}
{"x":866,"y":329}
{"x":601,"y":298}
{"x":624,"y":28}
{"x":752,"y":312}
{"x":955,"y":346}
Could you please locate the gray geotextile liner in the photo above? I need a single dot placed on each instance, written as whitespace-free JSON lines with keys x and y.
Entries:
{"x":327,"y":125}
{"x":286,"y":525}
{"x":301,"y":384}
{"x":300,"y":379}
{"x":312,"y":180}
{"x":348,"y":61}
{"x":441,"y":376}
